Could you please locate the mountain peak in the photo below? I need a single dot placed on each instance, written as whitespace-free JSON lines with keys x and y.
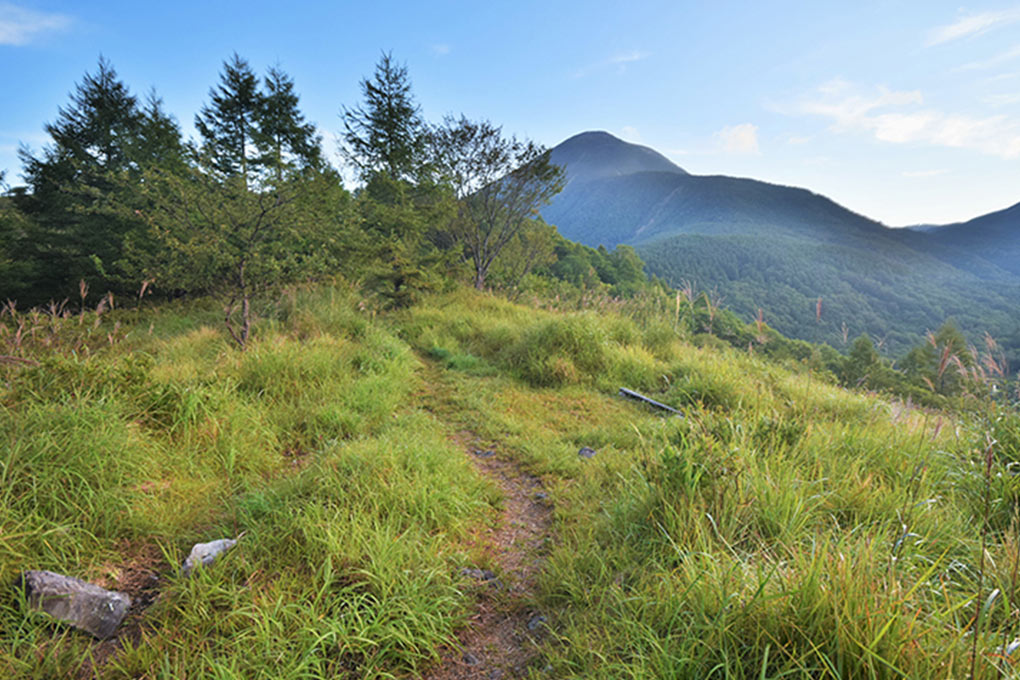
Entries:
{"x":595,"y":154}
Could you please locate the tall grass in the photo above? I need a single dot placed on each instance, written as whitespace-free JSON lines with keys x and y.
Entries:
{"x":354,"y":506}
{"x":783,"y":528}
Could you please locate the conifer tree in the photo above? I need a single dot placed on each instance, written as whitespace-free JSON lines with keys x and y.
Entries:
{"x":229,"y":124}
{"x":385,"y":133}
{"x":285,"y":139}
{"x":99,"y":137}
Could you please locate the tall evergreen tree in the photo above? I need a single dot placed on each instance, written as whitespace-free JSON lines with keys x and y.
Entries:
{"x":99,"y":137}
{"x":229,"y":124}
{"x":285,"y":139}
{"x":385,"y":133}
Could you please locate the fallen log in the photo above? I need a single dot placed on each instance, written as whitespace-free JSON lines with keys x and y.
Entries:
{"x":631,"y":394}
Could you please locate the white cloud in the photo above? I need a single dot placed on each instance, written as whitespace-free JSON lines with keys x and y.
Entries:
{"x":924,"y":173}
{"x":741,"y":139}
{"x":440,"y":49}
{"x":797,"y":140}
{"x":896,"y":117}
{"x":1008,"y":55}
{"x":972,"y":25}
{"x":19,"y":26}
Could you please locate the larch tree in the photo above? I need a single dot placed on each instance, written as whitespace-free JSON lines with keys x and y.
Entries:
{"x":229,"y":123}
{"x":99,"y":139}
{"x":385,"y":133}
{"x":284,"y":139}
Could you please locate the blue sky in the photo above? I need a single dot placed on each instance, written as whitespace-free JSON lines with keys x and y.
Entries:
{"x":908,"y":112}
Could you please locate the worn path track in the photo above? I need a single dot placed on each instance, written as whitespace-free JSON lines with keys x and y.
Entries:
{"x":500,"y":641}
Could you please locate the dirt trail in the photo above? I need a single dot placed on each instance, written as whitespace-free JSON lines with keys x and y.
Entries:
{"x":500,"y":641}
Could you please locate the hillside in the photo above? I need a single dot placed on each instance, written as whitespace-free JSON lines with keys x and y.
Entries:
{"x":781,"y":248}
{"x":455,"y":489}
{"x":994,"y":237}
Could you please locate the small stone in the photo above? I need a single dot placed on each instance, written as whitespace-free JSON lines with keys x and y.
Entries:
{"x":541,"y":496}
{"x":480,"y":574}
{"x":470,"y":659}
{"x":536,"y":622}
{"x":205,"y":554}
{"x":496,"y":674}
{"x":83,"y":605}
{"x":587,"y":452}
{"x":484,"y":454}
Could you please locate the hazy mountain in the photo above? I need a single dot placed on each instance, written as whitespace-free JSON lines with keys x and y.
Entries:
{"x":781,"y":248}
{"x":593,"y":155}
{"x":994,"y":237}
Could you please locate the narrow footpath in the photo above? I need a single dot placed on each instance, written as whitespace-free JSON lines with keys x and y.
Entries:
{"x":500,"y":641}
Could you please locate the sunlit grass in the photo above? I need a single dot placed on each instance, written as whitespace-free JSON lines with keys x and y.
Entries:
{"x":783,"y":527}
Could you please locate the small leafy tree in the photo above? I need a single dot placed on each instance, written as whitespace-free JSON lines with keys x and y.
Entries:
{"x":219,"y":236}
{"x":500,"y":183}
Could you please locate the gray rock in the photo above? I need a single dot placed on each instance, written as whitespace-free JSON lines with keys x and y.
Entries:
{"x":205,"y":554}
{"x":83,"y":605}
{"x":541,"y":496}
{"x":536,"y":622}
{"x":496,"y":674}
{"x":485,"y":454}
{"x":587,"y":452}
{"x":480,"y":574}
{"x":470,"y":659}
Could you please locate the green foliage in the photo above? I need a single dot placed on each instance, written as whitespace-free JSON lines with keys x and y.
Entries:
{"x":100,"y":143}
{"x":385,"y":133}
{"x":500,"y":184}
{"x":218,"y":235}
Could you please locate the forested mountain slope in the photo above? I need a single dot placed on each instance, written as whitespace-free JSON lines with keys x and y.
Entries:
{"x":779,"y":248}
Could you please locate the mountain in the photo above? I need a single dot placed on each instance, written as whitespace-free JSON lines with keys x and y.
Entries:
{"x":994,"y":237}
{"x":781,"y":248}
{"x":594,"y":155}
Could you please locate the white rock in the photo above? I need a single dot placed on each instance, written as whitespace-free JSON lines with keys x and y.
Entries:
{"x":206,"y":553}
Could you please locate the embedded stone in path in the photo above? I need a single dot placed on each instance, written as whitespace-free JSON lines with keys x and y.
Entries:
{"x":480,"y":574}
{"x":205,"y":554}
{"x":587,"y":452}
{"x":484,"y":454}
{"x":83,"y":605}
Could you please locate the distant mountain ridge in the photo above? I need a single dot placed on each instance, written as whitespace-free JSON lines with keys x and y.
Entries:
{"x":780,"y":248}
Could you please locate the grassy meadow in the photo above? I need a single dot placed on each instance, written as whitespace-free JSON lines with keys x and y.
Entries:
{"x":784,"y":528}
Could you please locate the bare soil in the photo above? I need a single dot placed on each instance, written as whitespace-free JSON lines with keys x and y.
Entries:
{"x":500,"y":641}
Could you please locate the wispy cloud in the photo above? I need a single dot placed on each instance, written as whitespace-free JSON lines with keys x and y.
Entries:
{"x":620,"y":60}
{"x":739,"y":139}
{"x":972,"y":25}
{"x":898,"y":117}
{"x":924,"y":173}
{"x":20,"y":26}
{"x":797,"y":140}
{"x":440,"y":49}
{"x":1001,"y":99}
{"x":1008,"y":55}
{"x":628,"y":57}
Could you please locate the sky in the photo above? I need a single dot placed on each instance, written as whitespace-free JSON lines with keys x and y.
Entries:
{"x":905,"y":111}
